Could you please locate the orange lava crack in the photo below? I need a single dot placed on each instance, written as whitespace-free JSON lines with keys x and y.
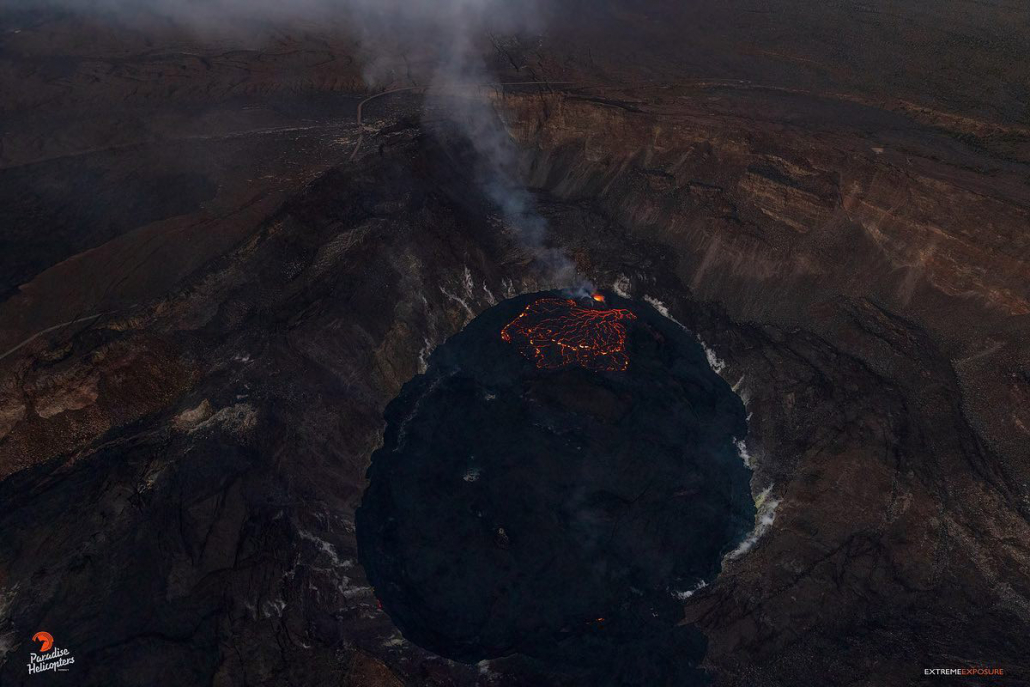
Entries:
{"x":556,"y":332}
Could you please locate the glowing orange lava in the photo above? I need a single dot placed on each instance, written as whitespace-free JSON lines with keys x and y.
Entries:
{"x":556,"y":332}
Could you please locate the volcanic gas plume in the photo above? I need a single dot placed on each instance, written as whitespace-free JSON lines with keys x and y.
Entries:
{"x":556,"y":332}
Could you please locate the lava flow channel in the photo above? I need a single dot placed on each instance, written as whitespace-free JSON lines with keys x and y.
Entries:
{"x":556,"y":332}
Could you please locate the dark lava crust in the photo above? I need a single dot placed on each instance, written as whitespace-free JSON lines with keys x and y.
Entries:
{"x":556,"y":513}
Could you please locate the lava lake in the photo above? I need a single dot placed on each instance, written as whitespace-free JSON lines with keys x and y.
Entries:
{"x":532,"y":497}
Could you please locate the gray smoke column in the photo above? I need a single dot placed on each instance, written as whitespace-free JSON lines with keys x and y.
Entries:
{"x":497,"y":174}
{"x":453,"y":33}
{"x":460,"y":89}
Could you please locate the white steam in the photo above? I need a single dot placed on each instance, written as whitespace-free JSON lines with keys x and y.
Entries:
{"x":715,"y":362}
{"x":449,"y":40}
{"x":764,"y":519}
{"x":684,"y":595}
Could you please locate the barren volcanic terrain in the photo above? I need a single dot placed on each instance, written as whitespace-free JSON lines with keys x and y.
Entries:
{"x":226,"y":252}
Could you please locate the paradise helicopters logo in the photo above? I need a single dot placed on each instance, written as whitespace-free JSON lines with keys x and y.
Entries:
{"x":49,"y":657}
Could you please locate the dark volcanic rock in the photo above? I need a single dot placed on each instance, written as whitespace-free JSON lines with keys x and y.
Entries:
{"x":833,"y":196}
{"x":557,"y":512}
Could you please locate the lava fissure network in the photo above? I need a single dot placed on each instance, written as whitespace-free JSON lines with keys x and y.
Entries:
{"x":572,"y":494}
{"x":557,"y":332}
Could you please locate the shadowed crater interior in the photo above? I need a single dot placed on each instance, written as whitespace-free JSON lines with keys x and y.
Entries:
{"x":534,"y":497}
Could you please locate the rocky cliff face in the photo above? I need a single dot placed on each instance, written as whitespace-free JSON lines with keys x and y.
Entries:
{"x":191,"y":392}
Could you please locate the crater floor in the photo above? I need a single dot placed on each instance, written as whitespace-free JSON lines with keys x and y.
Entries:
{"x":559,"y":512}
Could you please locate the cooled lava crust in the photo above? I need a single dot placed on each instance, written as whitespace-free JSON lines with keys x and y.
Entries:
{"x":557,"y":510}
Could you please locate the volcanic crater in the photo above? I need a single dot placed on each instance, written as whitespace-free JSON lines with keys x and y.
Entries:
{"x":554,"y":485}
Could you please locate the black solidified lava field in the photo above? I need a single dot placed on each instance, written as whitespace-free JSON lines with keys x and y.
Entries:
{"x":557,"y":513}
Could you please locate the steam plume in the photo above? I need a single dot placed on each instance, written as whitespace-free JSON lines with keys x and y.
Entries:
{"x":453,"y":33}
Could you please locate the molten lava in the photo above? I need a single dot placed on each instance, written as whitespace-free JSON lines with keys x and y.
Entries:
{"x":555,"y":332}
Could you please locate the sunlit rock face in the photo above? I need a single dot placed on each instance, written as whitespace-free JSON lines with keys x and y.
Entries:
{"x":557,"y":512}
